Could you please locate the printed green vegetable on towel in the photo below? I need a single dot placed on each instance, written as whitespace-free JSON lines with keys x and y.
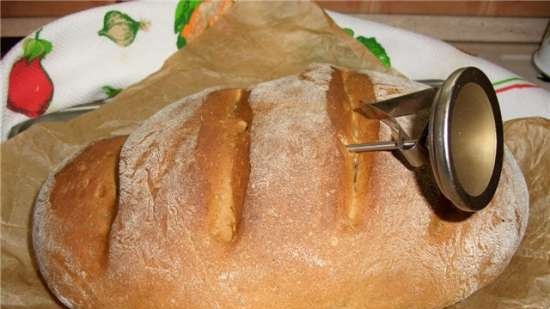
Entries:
{"x":121,"y":28}
{"x":195,"y":16}
{"x":372,"y":44}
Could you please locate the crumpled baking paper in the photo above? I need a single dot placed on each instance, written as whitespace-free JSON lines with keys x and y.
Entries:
{"x":526,"y":281}
{"x":255,"y":41}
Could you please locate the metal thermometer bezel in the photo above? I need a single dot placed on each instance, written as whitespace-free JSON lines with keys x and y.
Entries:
{"x":439,"y":140}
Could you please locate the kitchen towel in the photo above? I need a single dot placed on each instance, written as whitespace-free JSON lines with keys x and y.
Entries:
{"x":93,"y":55}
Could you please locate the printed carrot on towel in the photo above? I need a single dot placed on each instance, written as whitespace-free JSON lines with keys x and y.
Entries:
{"x":195,"y":16}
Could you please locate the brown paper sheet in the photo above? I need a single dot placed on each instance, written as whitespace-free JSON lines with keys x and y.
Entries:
{"x":526,"y":281}
{"x":255,"y":41}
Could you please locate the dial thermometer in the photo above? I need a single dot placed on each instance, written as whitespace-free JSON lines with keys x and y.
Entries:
{"x":462,"y":141}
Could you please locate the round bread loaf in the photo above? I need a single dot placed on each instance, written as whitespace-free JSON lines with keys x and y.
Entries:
{"x":247,"y":198}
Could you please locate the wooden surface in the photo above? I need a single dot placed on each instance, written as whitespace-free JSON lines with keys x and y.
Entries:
{"x":468,"y":28}
{"x":45,"y":8}
{"x":461,"y":8}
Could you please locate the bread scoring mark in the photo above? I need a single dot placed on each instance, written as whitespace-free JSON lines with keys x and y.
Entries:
{"x":72,"y":224}
{"x":346,"y":92}
{"x":291,"y":129}
{"x":222,"y":154}
{"x":99,"y":209}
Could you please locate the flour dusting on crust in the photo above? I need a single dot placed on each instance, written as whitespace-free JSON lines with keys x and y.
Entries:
{"x":290,"y":248}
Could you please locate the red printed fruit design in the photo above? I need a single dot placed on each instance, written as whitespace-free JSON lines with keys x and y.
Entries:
{"x":30,"y":88}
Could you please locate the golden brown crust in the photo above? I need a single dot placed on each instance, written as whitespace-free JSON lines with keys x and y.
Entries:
{"x":289,"y":251}
{"x":222,"y":155}
{"x":82,"y":206}
{"x":86,"y":196}
{"x":346,"y":92}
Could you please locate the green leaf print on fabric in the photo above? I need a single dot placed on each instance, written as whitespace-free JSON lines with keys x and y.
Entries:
{"x":349,"y":32}
{"x":183,"y":13}
{"x":36,"y":48}
{"x":184,"y":10}
{"x":110,"y":91}
{"x":121,"y":28}
{"x":181,"y":42}
{"x":373,"y":45}
{"x":193,"y":17}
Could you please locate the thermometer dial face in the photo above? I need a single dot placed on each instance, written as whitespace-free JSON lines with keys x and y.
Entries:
{"x":465,"y":139}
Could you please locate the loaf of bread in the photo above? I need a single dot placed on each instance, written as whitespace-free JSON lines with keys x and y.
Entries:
{"x":247,"y":198}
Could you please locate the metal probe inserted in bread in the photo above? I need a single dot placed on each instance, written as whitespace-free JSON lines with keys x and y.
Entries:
{"x":462,"y":141}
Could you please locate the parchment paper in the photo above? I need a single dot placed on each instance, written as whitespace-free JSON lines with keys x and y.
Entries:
{"x":526,"y":281}
{"x":255,"y":41}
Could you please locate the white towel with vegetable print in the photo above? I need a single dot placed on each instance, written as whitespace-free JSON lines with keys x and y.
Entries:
{"x":91,"y":55}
